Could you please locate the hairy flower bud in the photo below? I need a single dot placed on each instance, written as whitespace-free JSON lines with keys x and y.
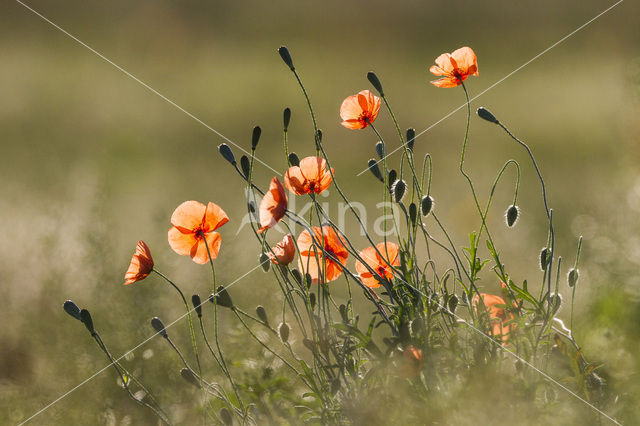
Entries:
{"x":293,"y":159}
{"x":188,"y":375}
{"x":375,"y":82}
{"x":245,"y":166}
{"x":413,"y":213}
{"x":283,"y":332}
{"x":262,"y":314}
{"x":158,"y":326}
{"x":286,"y":57}
{"x":227,"y":153}
{"x":572,"y":277}
{"x":255,"y":137}
{"x":485,"y":114}
{"x":380,"y":149}
{"x":398,"y":189}
{"x":72,"y":309}
{"x":286,"y":118}
{"x":511,"y":215}
{"x":197,"y":304}
{"x":544,"y":258}
{"x":426,"y":205}
{"x":375,"y":170}
{"x":85,"y":317}
{"x":222,"y":298}
{"x":411,"y":138}
{"x":391,"y":178}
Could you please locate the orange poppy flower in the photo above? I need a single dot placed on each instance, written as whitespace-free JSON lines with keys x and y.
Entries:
{"x":455,"y":67}
{"x":311,"y":176}
{"x":193,"y":224}
{"x":378,"y":263}
{"x":413,"y":361}
{"x":333,"y":244}
{"x":141,"y":264}
{"x":284,"y":251}
{"x":498,"y":315}
{"x":273,"y":205}
{"x":358,"y":111}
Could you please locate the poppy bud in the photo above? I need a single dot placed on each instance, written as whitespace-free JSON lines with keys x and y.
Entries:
{"x":380,"y":149}
{"x":286,"y":57}
{"x":72,"y":309}
{"x":485,"y":114}
{"x":226,"y":152}
{"x":398,"y":189}
{"x":312,"y":301}
{"x":413,"y":212}
{"x":375,"y":82}
{"x":283,"y":332}
{"x":555,"y":301}
{"x":286,"y":118}
{"x":158,"y":326}
{"x":262,"y":314}
{"x":297,"y":276}
{"x":411,"y":138}
{"x":85,"y":317}
{"x":511,"y":215}
{"x":265,"y":262}
{"x":343,"y":313}
{"x":255,"y":137}
{"x":245,"y":166}
{"x":308,"y":280}
{"x":544,"y":258}
{"x":426,"y":205}
{"x":453,"y":303}
{"x":293,"y":159}
{"x":225,"y":416}
{"x":373,"y":167}
{"x":465,"y":298}
{"x":572,"y":277}
{"x":222,"y":298}
{"x":197,"y":304}
{"x":310,"y":344}
{"x":190,"y":377}
{"x":392,"y":177}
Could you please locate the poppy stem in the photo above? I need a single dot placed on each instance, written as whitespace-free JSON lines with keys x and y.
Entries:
{"x":313,"y":116}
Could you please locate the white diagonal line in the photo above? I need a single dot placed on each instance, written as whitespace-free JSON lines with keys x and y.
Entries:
{"x":502,"y":79}
{"x":145,"y":85}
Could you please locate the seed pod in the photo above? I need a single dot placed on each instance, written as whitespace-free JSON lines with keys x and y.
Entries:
{"x":380,"y":149}
{"x":398,"y":189}
{"x":255,"y":137}
{"x":426,"y":205}
{"x":283,"y":332}
{"x":286,"y":57}
{"x":375,"y":170}
{"x":190,"y":377}
{"x":572,"y":277}
{"x":265,"y":262}
{"x":158,"y":326}
{"x":293,"y":159}
{"x":225,"y":416}
{"x":262,"y":314}
{"x":411,"y":138}
{"x":286,"y":118}
{"x":197,"y":304}
{"x":485,"y":114}
{"x":227,"y":153}
{"x":544,"y":258}
{"x":375,"y":82}
{"x":222,"y":298}
{"x":413,"y":213}
{"x":511,"y":215}
{"x":245,"y":166}
{"x":85,"y":317}
{"x":72,"y":309}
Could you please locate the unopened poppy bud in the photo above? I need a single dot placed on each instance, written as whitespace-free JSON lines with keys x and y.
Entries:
{"x":158,"y":326}
{"x":85,"y":317}
{"x":286,"y":118}
{"x":572,"y":277}
{"x":265,"y":262}
{"x":544,"y":258}
{"x":190,"y":377}
{"x":511,"y":215}
{"x":245,"y":166}
{"x":453,"y":303}
{"x":380,"y":149}
{"x":426,"y":205}
{"x":411,"y":138}
{"x":293,"y":159}
{"x":262,"y":314}
{"x":312,"y":301}
{"x":310,"y":344}
{"x":375,"y":170}
{"x":485,"y":114}
{"x":308,"y":280}
{"x":72,"y":309}
{"x":227,"y":153}
{"x":343,"y":313}
{"x":413,"y":212}
{"x":225,"y":416}
{"x":197,"y":304}
{"x":283,"y":332}
{"x":297,"y":276}
{"x":375,"y":82}
{"x":555,"y":301}
{"x":255,"y":137}
{"x":391,"y":177}
{"x":286,"y":57}
{"x":222,"y":298}
{"x":398,"y":189}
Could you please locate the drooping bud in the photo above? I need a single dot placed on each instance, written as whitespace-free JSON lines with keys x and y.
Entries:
{"x":255,"y":137}
{"x":375,"y":170}
{"x":485,"y":114}
{"x":398,"y":189}
{"x":293,"y":159}
{"x":572,"y":277}
{"x":225,"y":416}
{"x":227,"y":153}
{"x":411,"y":138}
{"x":511,"y":215}
{"x":413,"y":213}
{"x":310,"y":344}
{"x":380,"y":149}
{"x":308,"y":280}
{"x":286,"y":118}
{"x":392,"y":177}
{"x":262,"y":314}
{"x":283,"y":332}
{"x":158,"y":326}
{"x":453,"y":303}
{"x":197,"y":304}
{"x":85,"y":317}
{"x":296,"y":276}
{"x":245,"y":166}
{"x":426,"y":205}
{"x":375,"y":82}
{"x":72,"y":309}
{"x":222,"y":298}
{"x":555,"y":301}
{"x":343,"y":313}
{"x":190,"y":377}
{"x":544,"y":258}
{"x":312,"y":301}
{"x":265,"y":262}
{"x":286,"y":57}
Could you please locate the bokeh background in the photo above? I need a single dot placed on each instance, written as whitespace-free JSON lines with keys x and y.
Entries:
{"x":91,"y":162}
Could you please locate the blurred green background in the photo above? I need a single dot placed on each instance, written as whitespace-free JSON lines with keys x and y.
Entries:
{"x":92,"y":161}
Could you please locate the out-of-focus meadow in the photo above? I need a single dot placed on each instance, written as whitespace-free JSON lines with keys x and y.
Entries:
{"x":91,"y":162}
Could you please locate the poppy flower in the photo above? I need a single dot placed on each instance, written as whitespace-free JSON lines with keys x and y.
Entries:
{"x":358,"y":111}
{"x":378,"y":263}
{"x":455,"y":67}
{"x":141,"y":264}
{"x":311,"y":176}
{"x":498,"y":315}
{"x":273,"y":205}
{"x":284,"y":252}
{"x":413,"y":361}
{"x":194,"y":228}
{"x":322,"y":265}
